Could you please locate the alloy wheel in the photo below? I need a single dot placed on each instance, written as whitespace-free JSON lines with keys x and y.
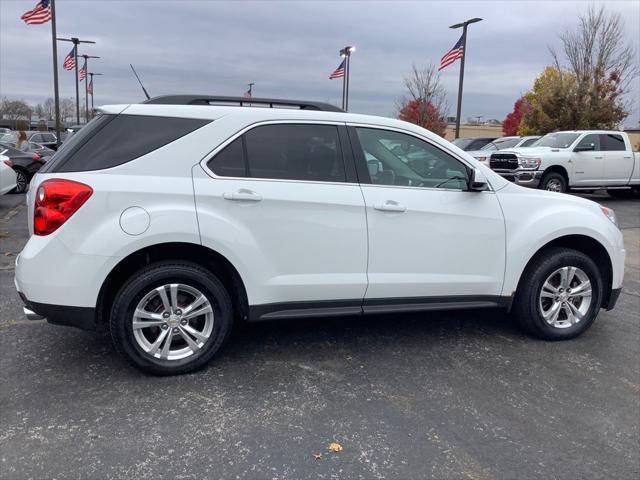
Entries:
{"x":173,"y":321}
{"x":565,"y":297}
{"x":554,"y":185}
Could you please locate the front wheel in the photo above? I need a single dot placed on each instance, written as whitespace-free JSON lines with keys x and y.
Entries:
{"x":559,"y":295}
{"x":171,"y":318}
{"x":554,"y":182}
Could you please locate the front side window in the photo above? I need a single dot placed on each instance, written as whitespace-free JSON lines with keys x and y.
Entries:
{"x":295,"y":152}
{"x":590,"y":140}
{"x":557,"y":140}
{"x":612,"y":143}
{"x":403,"y":160}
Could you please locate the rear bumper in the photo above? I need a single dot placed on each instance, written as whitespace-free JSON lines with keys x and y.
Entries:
{"x":83,"y":318}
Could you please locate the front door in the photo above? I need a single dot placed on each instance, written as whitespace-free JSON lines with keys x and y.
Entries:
{"x":588,"y":166}
{"x":429,"y":237}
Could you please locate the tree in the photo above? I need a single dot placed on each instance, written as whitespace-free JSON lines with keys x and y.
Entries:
{"x":14,"y":110}
{"x":427,"y":102}
{"x":511,"y":123}
{"x":603,"y":63}
{"x":552,"y":103}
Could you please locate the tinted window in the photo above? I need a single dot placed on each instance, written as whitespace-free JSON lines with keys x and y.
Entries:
{"x":589,"y":140}
{"x":528,"y":142}
{"x":612,"y":143}
{"x":295,"y":152}
{"x":116,"y":139}
{"x":557,"y":140}
{"x":230,"y":161}
{"x":48,"y":137}
{"x":36,"y":138}
{"x":398,"y":159}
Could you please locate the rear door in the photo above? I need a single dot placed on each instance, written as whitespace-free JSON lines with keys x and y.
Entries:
{"x":618,"y":161}
{"x":588,"y":166}
{"x":430,"y":239}
{"x":281,"y":201}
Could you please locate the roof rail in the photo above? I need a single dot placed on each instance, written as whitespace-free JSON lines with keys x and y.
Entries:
{"x":240,"y":102}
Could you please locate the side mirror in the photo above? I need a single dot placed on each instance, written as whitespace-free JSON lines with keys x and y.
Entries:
{"x":374,"y":167}
{"x":586,"y":147}
{"x":478,"y":182}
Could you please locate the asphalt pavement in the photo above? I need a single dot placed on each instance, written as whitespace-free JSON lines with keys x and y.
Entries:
{"x":457,"y":395}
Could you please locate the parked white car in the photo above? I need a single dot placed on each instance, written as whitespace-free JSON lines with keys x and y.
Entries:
{"x":502,"y":143}
{"x":8,"y":180}
{"x":197,"y":216}
{"x":577,"y":160}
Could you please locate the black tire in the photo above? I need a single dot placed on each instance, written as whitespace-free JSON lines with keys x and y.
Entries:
{"x":554,"y":182}
{"x":22,"y":181}
{"x":144,"y":281}
{"x":527,"y":306}
{"x":627,"y":193}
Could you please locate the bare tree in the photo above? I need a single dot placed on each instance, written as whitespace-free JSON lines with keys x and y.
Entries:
{"x":426,"y":104}
{"x":14,"y":110}
{"x":603,"y":61}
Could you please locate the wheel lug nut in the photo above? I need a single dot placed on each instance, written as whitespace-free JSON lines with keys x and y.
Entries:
{"x":165,"y":326}
{"x":183,"y":321}
{"x":178,"y":312}
{"x":175,"y":329}
{"x":165,"y":315}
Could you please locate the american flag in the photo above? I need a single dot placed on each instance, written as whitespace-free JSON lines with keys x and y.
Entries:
{"x":90,"y":87}
{"x":40,"y":14}
{"x":82,"y":74}
{"x":452,"y":55}
{"x":70,"y":60}
{"x":338,"y":72}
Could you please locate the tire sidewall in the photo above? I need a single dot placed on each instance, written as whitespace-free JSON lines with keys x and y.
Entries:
{"x":565,"y":258}
{"x":161,"y":274}
{"x":554,"y":176}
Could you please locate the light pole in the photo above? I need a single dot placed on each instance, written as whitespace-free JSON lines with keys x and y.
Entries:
{"x":346,"y":54}
{"x":76,"y":41}
{"x":91,"y":74}
{"x":464,"y":26}
{"x":86,"y":86}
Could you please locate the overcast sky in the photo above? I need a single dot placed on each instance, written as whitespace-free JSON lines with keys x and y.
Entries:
{"x":289,"y":48}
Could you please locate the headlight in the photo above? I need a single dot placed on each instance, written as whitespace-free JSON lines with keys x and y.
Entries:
{"x":529,"y":162}
{"x":610,"y":214}
{"x":481,"y":158}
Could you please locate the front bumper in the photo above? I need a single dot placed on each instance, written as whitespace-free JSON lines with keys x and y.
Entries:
{"x":526,"y":178}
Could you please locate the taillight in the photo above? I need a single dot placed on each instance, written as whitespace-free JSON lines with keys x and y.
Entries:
{"x":56,"y":201}
{"x":8,"y":163}
{"x":36,"y":157}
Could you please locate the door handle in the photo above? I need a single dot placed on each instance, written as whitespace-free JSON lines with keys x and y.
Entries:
{"x":242,"y":195}
{"x":390,"y":206}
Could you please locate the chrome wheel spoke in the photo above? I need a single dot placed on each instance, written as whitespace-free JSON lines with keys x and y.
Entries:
{"x":151,"y":323}
{"x":571,"y":296}
{"x":573,"y":313}
{"x":195,"y":304}
{"x":192,"y":344}
{"x":167,"y":345}
{"x":146,"y":315}
{"x":155,"y":346}
{"x":197,"y":313}
{"x":173,"y":289}
{"x":162,"y":292}
{"x":551,"y":315}
{"x":195,"y":333}
{"x":582,"y":290}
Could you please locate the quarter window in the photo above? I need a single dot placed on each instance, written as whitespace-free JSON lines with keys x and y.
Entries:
{"x":398,"y":159}
{"x":230,"y":161}
{"x":612,"y":142}
{"x":295,"y":152}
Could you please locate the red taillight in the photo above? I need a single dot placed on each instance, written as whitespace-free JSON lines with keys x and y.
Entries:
{"x":56,"y":201}
{"x":36,"y":157}
{"x":8,"y":163}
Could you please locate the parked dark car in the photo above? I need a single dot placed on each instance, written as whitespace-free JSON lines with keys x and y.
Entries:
{"x":470,"y":144}
{"x":48,"y":139}
{"x":25,"y":164}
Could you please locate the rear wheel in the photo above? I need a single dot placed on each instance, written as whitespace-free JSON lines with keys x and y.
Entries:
{"x":554,"y":182}
{"x":560,"y":294}
{"x":171,"y":318}
{"x":22,"y":180}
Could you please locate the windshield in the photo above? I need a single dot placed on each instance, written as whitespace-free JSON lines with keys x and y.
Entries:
{"x":501,"y":144}
{"x":557,"y":140}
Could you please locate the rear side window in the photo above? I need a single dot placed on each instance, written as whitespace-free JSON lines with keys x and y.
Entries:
{"x":230,"y":161}
{"x":612,"y":143}
{"x":295,"y":152}
{"x":112,"y":140}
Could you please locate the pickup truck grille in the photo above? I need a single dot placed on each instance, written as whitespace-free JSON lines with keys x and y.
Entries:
{"x":503,"y":161}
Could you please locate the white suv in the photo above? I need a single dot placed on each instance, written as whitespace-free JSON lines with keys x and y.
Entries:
{"x":168,"y":221}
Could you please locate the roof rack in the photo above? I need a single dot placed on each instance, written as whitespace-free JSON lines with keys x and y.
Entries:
{"x":241,"y":102}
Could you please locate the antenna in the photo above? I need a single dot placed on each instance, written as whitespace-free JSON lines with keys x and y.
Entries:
{"x":137,"y":77}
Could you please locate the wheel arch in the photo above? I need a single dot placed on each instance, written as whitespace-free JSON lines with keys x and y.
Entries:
{"x":557,"y":169}
{"x":590,"y":247}
{"x":213,"y":261}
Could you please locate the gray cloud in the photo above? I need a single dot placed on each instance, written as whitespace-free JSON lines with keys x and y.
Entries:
{"x":289,"y":48}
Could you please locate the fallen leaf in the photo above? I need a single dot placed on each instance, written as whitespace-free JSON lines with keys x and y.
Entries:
{"x":335,"y":447}
{"x":317,"y":456}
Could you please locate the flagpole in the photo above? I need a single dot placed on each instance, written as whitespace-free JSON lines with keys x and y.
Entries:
{"x":56,"y":94}
{"x":346,"y":75}
{"x":75,"y":54}
{"x":464,"y":26}
{"x":86,"y":88}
